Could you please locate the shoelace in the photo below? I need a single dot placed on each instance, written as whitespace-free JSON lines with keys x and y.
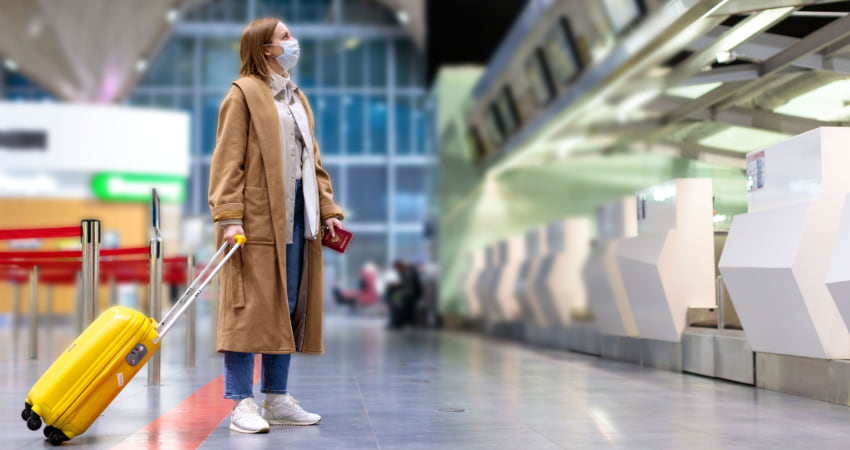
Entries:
{"x":248,"y":407}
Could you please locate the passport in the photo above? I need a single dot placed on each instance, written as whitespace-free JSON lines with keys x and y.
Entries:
{"x":338,"y":243}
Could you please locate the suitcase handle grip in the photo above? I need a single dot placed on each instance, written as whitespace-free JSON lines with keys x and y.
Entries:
{"x":197,"y":286}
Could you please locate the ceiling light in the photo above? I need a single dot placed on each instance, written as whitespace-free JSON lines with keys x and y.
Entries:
{"x":693,"y":91}
{"x":743,"y":139}
{"x":172,"y":15}
{"x":11,"y":65}
{"x":725,"y":57}
{"x":35,"y":27}
{"x":827,"y":102}
{"x":351,"y":43}
{"x":403,"y":17}
{"x":141,"y":65}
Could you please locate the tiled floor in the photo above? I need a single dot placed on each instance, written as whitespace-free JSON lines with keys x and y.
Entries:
{"x":417,"y":389}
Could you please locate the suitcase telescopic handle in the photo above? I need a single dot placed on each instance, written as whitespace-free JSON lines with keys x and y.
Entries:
{"x":197,"y":286}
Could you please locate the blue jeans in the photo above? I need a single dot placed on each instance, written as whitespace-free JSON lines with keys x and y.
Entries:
{"x":238,"y":366}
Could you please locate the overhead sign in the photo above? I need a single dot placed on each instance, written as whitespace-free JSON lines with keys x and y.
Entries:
{"x":18,"y":140}
{"x":136,"y":187}
{"x":87,"y":139}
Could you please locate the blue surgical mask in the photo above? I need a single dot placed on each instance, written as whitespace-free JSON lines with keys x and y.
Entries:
{"x":291,"y":52}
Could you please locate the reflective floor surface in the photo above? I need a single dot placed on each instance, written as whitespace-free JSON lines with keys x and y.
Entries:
{"x":425,"y":389}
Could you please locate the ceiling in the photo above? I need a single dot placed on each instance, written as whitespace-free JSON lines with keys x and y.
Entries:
{"x":712,"y":83}
{"x":97,"y":50}
{"x":85,"y":50}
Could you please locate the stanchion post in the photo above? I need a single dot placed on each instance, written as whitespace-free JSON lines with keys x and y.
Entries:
{"x":16,"y":310}
{"x":49,"y":304}
{"x":51,"y":319}
{"x":190,"y":315}
{"x":113,"y":291}
{"x":155,"y":303}
{"x":90,"y":236}
{"x":78,"y":302}
{"x":33,"y":320}
{"x":215,"y":291}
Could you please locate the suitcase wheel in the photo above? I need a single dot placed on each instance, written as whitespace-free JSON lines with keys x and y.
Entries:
{"x":34,"y":422}
{"x":25,"y":414}
{"x":49,"y":429}
{"x":56,"y":436}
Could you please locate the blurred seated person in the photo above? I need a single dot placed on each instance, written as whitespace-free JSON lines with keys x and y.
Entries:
{"x":367,"y":289}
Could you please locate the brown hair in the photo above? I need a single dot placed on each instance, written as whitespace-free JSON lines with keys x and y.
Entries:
{"x":254,"y":37}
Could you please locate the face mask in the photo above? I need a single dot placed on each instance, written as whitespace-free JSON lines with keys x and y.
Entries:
{"x":289,"y":57}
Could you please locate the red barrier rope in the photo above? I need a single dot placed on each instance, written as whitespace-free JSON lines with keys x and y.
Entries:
{"x":125,"y":251}
{"x":39,"y":254}
{"x":40,"y":233}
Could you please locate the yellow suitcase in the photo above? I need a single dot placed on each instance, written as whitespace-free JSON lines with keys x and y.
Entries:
{"x":93,"y":370}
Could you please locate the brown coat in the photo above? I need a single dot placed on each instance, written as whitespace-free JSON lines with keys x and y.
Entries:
{"x":246,"y":181}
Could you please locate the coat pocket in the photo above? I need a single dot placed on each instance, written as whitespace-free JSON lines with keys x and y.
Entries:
{"x":232,"y":286}
{"x":257,"y":219}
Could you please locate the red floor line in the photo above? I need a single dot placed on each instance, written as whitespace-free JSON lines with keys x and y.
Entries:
{"x":187,"y":425}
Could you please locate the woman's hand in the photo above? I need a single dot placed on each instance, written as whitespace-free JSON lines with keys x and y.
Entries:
{"x":332,"y":223}
{"x":232,"y":230}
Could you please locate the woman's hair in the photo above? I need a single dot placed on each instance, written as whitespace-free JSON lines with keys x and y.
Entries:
{"x":251,"y":47}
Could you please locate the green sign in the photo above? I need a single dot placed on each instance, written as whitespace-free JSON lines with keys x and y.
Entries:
{"x":136,"y":187}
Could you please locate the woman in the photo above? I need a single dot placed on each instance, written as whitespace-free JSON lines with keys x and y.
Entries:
{"x":267,"y":182}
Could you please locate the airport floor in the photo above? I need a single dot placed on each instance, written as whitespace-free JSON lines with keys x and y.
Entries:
{"x":427,"y":389}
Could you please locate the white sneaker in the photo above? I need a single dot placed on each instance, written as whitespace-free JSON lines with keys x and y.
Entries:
{"x":282,"y":409}
{"x":246,"y":419}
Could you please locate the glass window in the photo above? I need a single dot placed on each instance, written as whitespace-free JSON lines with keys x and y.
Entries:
{"x":198,"y":192}
{"x":315,"y":11}
{"x":331,"y":54}
{"x":377,"y":63}
{"x":355,"y":63}
{"x":376,"y":141}
{"x":537,"y":74}
{"x":335,"y":173}
{"x":561,"y":52}
{"x":209,"y":122}
{"x":623,"y":13}
{"x":220,"y":62}
{"x":367,"y":12}
{"x":356,"y":120}
{"x":410,"y":69}
{"x":220,"y":11}
{"x":369,"y":246}
{"x":366,"y":193}
{"x":420,"y":124}
{"x":172,"y":66}
{"x":285,"y":9}
{"x":404,"y":125}
{"x":410,"y":195}
{"x":328,"y":114}
{"x":305,"y":73}
{"x":411,"y":247}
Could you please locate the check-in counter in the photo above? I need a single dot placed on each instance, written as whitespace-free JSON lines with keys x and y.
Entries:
{"x":777,"y":255}
{"x":473,"y":301}
{"x":558,"y":283}
{"x":612,"y":314}
{"x":486,"y":284}
{"x":530,"y":311}
{"x":508,"y":308}
{"x":669,"y":266}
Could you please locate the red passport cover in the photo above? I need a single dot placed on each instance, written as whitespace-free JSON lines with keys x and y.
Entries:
{"x":338,"y":243}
